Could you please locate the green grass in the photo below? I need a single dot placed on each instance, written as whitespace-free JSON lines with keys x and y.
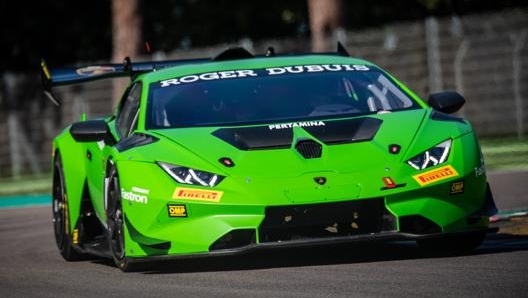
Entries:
{"x":505,"y":154}
{"x":25,"y":185}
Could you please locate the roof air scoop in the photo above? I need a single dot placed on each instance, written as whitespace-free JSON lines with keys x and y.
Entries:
{"x":309,"y":148}
{"x":233,"y":54}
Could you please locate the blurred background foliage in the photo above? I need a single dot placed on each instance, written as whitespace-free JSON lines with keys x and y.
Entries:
{"x":66,"y":32}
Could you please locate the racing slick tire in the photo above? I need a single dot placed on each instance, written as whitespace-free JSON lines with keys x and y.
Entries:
{"x":116,"y":222}
{"x":61,"y":219}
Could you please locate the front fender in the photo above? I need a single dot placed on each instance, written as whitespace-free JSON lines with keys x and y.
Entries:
{"x":74,"y":172}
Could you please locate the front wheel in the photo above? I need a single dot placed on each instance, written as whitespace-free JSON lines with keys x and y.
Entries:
{"x":116,"y":222}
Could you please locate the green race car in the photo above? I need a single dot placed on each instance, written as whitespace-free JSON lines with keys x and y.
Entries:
{"x":239,"y":152}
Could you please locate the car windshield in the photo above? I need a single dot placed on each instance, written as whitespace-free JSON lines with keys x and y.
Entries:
{"x":272,"y":95}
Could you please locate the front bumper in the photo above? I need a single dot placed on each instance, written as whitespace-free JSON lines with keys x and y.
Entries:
{"x":249,"y":229}
{"x":379,"y":237}
{"x":243,"y":221}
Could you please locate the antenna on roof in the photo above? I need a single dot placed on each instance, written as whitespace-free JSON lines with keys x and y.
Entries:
{"x":147,"y":47}
{"x":148,"y":50}
{"x":341,"y":50}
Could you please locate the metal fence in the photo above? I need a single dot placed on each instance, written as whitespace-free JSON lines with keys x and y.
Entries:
{"x":484,"y":57}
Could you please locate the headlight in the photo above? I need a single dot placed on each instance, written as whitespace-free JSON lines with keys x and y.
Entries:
{"x":186,"y":175}
{"x":431,"y":157}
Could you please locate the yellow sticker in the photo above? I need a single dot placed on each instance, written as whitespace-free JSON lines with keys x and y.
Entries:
{"x":457,"y":187}
{"x":177,"y":210}
{"x":197,"y":194}
{"x":75,"y":235}
{"x":435,"y":175}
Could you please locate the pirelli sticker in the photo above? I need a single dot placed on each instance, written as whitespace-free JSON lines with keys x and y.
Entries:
{"x":435,"y":175}
{"x":194,"y":194}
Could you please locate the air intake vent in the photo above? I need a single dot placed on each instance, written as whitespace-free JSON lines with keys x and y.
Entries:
{"x":309,"y":149}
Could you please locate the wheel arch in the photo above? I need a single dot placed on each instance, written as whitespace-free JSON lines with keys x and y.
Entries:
{"x":74,"y":174}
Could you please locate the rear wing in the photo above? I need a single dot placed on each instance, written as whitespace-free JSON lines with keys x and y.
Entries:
{"x":82,"y":74}
{"x":74,"y":75}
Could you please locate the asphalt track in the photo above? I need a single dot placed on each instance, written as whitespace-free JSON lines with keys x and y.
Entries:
{"x":30,"y":266}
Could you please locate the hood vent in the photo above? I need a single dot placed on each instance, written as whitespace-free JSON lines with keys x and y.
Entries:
{"x":309,"y":149}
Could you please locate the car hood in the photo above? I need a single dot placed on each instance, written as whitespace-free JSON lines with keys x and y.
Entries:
{"x":292,"y":149}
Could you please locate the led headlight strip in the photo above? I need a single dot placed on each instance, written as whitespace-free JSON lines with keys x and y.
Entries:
{"x":186,"y":175}
{"x":432,"y":156}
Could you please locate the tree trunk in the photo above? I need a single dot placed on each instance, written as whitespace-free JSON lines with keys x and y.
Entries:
{"x":126,"y":37}
{"x":325,"y":18}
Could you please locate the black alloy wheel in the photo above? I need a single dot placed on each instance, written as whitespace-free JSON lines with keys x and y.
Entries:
{"x":61,"y":220}
{"x":116,"y":222}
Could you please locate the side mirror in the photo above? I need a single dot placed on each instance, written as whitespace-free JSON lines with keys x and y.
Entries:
{"x":89,"y":131}
{"x":446,"y":102}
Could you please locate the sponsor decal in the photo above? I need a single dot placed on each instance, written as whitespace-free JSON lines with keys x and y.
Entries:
{"x":234,"y":74}
{"x":296,"y":124}
{"x":457,"y":188}
{"x":197,"y":194}
{"x":480,"y":171}
{"x":138,"y":195}
{"x":75,"y":236}
{"x":94,"y":70}
{"x":435,"y":175}
{"x":315,"y":68}
{"x":219,"y":75}
{"x":177,"y":210}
